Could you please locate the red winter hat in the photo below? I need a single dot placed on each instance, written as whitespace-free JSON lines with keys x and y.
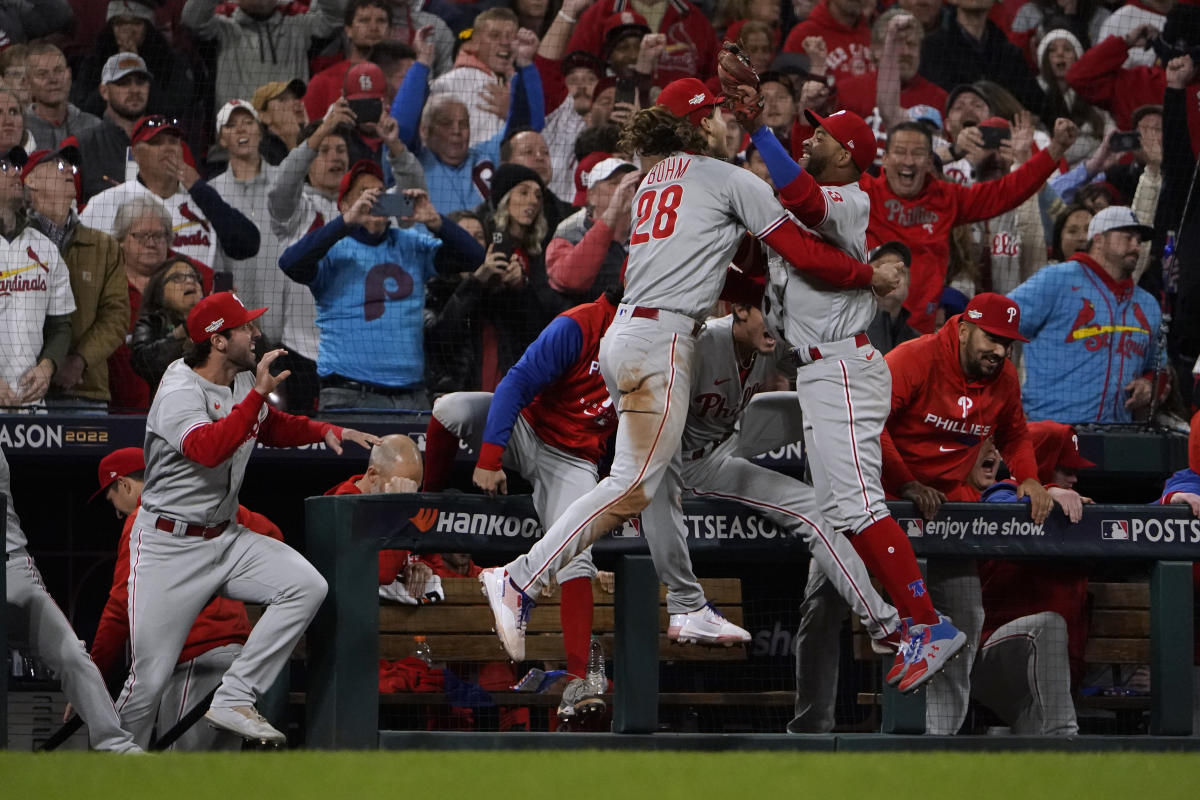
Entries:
{"x":363,"y":167}
{"x":851,"y":132}
{"x":1055,"y":445}
{"x":996,"y":314}
{"x":219,"y":312}
{"x":118,"y":464}
{"x":688,"y":98}
{"x":364,"y":80}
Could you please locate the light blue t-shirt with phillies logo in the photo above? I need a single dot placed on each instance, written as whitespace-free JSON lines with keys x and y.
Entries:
{"x":370,"y":306}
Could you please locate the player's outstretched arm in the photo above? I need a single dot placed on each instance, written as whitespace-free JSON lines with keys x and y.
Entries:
{"x":813,"y":257}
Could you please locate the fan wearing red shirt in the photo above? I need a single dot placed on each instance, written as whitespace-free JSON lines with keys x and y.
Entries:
{"x":847,"y":38}
{"x":395,"y":467}
{"x":858,"y":93}
{"x":910,"y":205}
{"x":692,"y":44}
{"x":216,"y":637}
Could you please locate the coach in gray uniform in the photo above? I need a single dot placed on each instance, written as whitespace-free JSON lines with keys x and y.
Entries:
{"x":186,"y":545}
{"x":52,"y":638}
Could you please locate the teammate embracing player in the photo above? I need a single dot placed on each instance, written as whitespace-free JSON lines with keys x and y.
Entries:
{"x":689,"y":216}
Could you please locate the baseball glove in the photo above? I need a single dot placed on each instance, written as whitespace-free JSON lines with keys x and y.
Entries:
{"x":739,"y":84}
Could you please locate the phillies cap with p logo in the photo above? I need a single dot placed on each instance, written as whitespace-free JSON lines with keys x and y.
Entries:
{"x":118,"y":464}
{"x":219,"y":312}
{"x":851,"y":132}
{"x":996,"y":314}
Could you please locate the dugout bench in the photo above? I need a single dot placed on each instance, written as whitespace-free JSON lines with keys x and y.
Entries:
{"x":345,"y":534}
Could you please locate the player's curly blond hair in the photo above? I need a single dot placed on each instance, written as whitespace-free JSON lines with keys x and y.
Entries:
{"x":655,"y":131}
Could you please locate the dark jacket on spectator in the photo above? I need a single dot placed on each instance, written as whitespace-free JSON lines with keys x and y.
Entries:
{"x":949,"y":57}
{"x":886,"y":331}
{"x":1179,"y":173}
{"x":102,"y":158}
{"x":155,"y":346}
{"x":24,"y":20}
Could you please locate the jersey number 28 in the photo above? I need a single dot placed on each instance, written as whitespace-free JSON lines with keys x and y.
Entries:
{"x":664,"y":220}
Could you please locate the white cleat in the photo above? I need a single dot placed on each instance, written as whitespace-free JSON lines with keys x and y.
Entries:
{"x":246,"y":722}
{"x":705,"y":626}
{"x":510,"y":609}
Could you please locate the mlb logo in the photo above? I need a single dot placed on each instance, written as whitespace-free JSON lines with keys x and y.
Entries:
{"x":1114,"y":530}
{"x":632,"y":529}
{"x":913,"y":528}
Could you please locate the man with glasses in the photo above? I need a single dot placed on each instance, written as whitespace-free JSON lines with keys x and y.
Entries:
{"x":50,"y":118}
{"x":200,"y":217}
{"x":104,"y":149}
{"x":35,"y":297}
{"x":97,"y":276}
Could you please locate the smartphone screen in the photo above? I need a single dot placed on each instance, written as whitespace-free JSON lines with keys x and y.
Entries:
{"x":993,"y":136}
{"x":393,"y":205}
{"x":1125,"y":141}
{"x":626,"y":91}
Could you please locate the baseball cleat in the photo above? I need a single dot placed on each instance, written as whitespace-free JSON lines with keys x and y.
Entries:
{"x":510,"y":609}
{"x":705,"y":626}
{"x":901,"y":663}
{"x":583,"y":697}
{"x":246,"y":722}
{"x":930,"y":648}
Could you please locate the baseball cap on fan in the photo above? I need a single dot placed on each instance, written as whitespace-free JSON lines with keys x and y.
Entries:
{"x":227,"y":111}
{"x":362,"y":167}
{"x":264,"y":94}
{"x":68,"y":151}
{"x":1118,"y":218}
{"x":118,"y":464}
{"x":689,"y":98}
{"x":1055,"y":445}
{"x":364,"y":81}
{"x":151,"y":126}
{"x":219,"y":312}
{"x":122,"y":64}
{"x":582,"y":168}
{"x":995,"y":314}
{"x":851,"y":132}
{"x":605,"y":169}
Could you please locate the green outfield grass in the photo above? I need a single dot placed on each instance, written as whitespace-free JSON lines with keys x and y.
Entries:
{"x":609,"y":775}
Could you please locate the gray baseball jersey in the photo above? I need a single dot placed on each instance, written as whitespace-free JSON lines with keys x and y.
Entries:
{"x":14,"y":537}
{"x":720,"y":390}
{"x":677,"y":261}
{"x":176,"y":486}
{"x":807,"y":310}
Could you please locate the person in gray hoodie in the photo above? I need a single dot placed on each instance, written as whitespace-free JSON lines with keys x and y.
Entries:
{"x":258,"y":43}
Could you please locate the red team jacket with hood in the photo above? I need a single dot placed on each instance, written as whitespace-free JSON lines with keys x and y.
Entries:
{"x":924,"y":223}
{"x":848,"y":48}
{"x":939,"y":418}
{"x":221,"y":622}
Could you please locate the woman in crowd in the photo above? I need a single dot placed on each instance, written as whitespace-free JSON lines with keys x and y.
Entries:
{"x":1070,"y":233}
{"x":1057,"y":52}
{"x":161,"y":330}
{"x":12,"y":124}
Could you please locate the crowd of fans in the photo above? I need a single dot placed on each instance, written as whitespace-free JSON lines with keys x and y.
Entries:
{"x":244,"y":145}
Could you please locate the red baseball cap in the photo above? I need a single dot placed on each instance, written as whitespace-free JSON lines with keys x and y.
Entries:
{"x":621,"y":24}
{"x":996,"y":122}
{"x":996,"y":314}
{"x":363,"y":167}
{"x":851,"y":132}
{"x":1055,"y":445}
{"x":364,"y":80}
{"x":118,"y":464}
{"x":68,"y":151}
{"x":688,"y":98}
{"x":219,"y":312}
{"x":150,"y":126}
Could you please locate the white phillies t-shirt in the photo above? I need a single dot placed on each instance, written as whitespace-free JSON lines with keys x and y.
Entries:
{"x":34,"y":284}
{"x":192,"y":235}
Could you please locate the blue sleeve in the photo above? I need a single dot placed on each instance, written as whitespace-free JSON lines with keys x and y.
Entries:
{"x":461,"y":253}
{"x":301,"y":261}
{"x":1002,"y":492}
{"x":527,"y":106}
{"x":1036,"y":298}
{"x":1182,"y":481}
{"x":1066,"y":183}
{"x":410,"y":99}
{"x":238,"y":236}
{"x":550,"y":355}
{"x":780,"y":164}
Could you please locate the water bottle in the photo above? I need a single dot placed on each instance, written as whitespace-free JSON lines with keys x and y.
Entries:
{"x":595,"y":659}
{"x":422,"y":650}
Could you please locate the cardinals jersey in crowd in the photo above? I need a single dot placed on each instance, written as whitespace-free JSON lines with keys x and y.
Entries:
{"x":939,"y":417}
{"x":34,"y":283}
{"x":1089,"y":337}
{"x":192,"y":234}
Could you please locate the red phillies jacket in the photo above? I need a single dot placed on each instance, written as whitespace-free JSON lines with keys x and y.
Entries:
{"x":1100,"y":78}
{"x":848,"y":49}
{"x":924,"y":222}
{"x":691,"y":42}
{"x":221,"y":622}
{"x":939,"y":418}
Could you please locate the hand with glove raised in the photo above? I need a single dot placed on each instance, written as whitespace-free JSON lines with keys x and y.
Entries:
{"x":739,"y":84}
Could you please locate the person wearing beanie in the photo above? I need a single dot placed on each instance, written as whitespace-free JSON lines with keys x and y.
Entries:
{"x":1056,"y":53}
{"x":371,"y":352}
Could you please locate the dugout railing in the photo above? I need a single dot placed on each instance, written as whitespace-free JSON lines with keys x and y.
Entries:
{"x":345,"y":534}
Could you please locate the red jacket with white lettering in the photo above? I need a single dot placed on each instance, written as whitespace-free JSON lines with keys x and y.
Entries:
{"x":939,"y":418}
{"x":221,"y":622}
{"x":924,"y":222}
{"x":848,"y":48}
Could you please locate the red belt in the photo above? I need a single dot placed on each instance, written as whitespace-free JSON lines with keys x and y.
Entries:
{"x":860,"y":339}
{"x":652,"y":313}
{"x":167,"y":526}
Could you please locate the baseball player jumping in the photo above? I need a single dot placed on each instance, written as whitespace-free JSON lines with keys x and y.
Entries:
{"x":688,"y":218}
{"x":843,"y":384}
{"x":186,"y":545}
